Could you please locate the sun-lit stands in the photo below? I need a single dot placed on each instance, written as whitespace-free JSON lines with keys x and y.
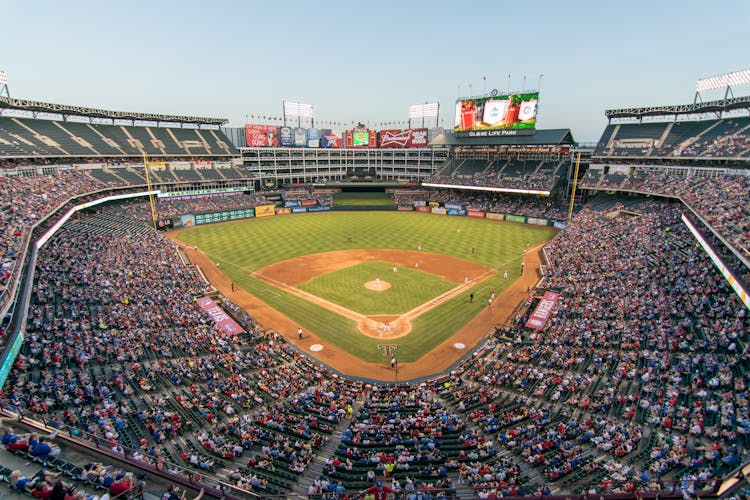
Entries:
{"x":26,"y":137}
{"x":723,"y":138}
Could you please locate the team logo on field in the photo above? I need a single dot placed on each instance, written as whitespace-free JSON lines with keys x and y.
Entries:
{"x":388,"y":349}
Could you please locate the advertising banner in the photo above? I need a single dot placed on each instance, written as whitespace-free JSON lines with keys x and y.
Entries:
{"x":202,"y":163}
{"x":309,"y":203}
{"x":261,"y":135}
{"x":221,"y":318}
{"x":291,"y":203}
{"x":475,"y":213}
{"x":318,"y":209}
{"x":330,"y":138}
{"x":423,"y":209}
{"x":419,"y":203}
{"x":265,"y":210}
{"x":411,"y":138}
{"x":404,"y":209}
{"x":543,"y":311}
{"x":454,"y":205}
{"x":187,"y":220}
{"x":313,"y":138}
{"x":299,"y":210}
{"x":560,"y":225}
{"x":536,"y":220}
{"x":494,"y":216}
{"x":438,"y":210}
{"x":164,"y":224}
{"x":283,"y":211}
{"x":516,"y":218}
{"x":300,"y":137}
{"x":456,"y":211}
{"x":286,"y":137}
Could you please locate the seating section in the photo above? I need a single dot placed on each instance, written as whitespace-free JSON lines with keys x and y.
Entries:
{"x":501,"y":173}
{"x":630,"y":386}
{"x":33,"y":138}
{"x":722,"y":138}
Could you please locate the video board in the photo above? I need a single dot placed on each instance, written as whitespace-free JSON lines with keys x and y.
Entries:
{"x":498,"y":115}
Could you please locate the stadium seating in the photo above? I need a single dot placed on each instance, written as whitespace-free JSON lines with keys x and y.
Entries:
{"x":26,"y":137}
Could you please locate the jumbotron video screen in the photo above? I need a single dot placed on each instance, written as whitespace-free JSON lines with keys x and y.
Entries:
{"x":497,"y":115}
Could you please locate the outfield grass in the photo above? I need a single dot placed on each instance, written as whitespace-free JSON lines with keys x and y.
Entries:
{"x":363,"y":199}
{"x":409,"y":288}
{"x":246,"y":246}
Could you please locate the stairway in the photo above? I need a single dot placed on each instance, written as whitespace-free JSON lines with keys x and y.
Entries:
{"x":315,"y":470}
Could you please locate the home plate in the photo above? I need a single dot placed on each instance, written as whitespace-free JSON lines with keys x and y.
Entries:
{"x":459,"y":345}
{"x":316,"y":347}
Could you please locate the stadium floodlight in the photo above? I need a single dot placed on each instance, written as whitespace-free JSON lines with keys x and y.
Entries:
{"x":299,"y":110}
{"x":732,"y":79}
{"x":3,"y":78}
{"x":4,"y":84}
{"x":426,"y":110}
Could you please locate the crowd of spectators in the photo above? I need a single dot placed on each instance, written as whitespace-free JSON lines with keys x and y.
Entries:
{"x":542,"y":178}
{"x":644,"y":363}
{"x":721,"y":200}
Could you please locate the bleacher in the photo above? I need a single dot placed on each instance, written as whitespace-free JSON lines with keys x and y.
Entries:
{"x":26,"y":137}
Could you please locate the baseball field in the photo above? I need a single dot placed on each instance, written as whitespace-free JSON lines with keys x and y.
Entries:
{"x":358,"y":280}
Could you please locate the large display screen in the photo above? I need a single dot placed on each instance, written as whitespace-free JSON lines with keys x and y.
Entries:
{"x":360,"y":138}
{"x":498,"y":115}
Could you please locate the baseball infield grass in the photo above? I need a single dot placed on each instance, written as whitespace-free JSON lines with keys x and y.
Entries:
{"x":246,"y":246}
{"x":409,"y":288}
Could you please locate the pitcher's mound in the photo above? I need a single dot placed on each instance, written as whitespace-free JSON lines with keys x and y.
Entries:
{"x":377,"y":286}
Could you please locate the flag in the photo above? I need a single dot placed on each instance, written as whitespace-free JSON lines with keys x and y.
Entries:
{"x":528,"y":110}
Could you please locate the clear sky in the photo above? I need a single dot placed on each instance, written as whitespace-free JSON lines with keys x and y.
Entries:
{"x":367,"y":61}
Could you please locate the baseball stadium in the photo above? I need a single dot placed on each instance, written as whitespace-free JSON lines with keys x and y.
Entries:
{"x":343,"y":310}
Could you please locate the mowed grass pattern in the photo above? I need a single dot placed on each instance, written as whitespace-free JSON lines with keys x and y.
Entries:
{"x":246,"y":246}
{"x":346,"y":287}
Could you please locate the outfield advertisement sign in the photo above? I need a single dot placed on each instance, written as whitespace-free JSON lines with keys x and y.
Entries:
{"x":291,"y":203}
{"x":456,"y":211}
{"x":439,"y":210}
{"x":10,"y":357}
{"x":515,"y":218}
{"x":411,"y":138}
{"x":536,"y":220}
{"x":265,"y":210}
{"x":299,"y":210}
{"x":454,"y":206}
{"x":261,"y":136}
{"x":404,"y":209}
{"x":560,"y":225}
{"x":318,"y":209}
{"x":543,"y":311}
{"x":283,"y":211}
{"x":221,"y":318}
{"x":494,"y":216}
{"x":478,"y":214}
{"x":423,"y":209}
{"x":286,"y":137}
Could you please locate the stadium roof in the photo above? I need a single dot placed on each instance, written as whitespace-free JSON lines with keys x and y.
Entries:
{"x":555,"y":136}
{"x":681,"y":109}
{"x":45,"y":107}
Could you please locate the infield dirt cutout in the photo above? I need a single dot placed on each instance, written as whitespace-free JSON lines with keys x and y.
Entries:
{"x":435,"y":361}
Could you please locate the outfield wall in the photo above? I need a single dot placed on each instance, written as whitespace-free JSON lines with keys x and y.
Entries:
{"x":190,"y":220}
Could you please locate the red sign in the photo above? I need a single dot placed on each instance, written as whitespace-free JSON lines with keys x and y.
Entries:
{"x":221,"y":318}
{"x":475,"y":213}
{"x":261,"y":135}
{"x":423,"y":209}
{"x":543,"y":311}
{"x":308,"y":203}
{"x":412,"y":138}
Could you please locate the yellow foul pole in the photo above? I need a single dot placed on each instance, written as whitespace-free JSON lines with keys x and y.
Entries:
{"x":573,"y":189}
{"x":147,"y":168}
